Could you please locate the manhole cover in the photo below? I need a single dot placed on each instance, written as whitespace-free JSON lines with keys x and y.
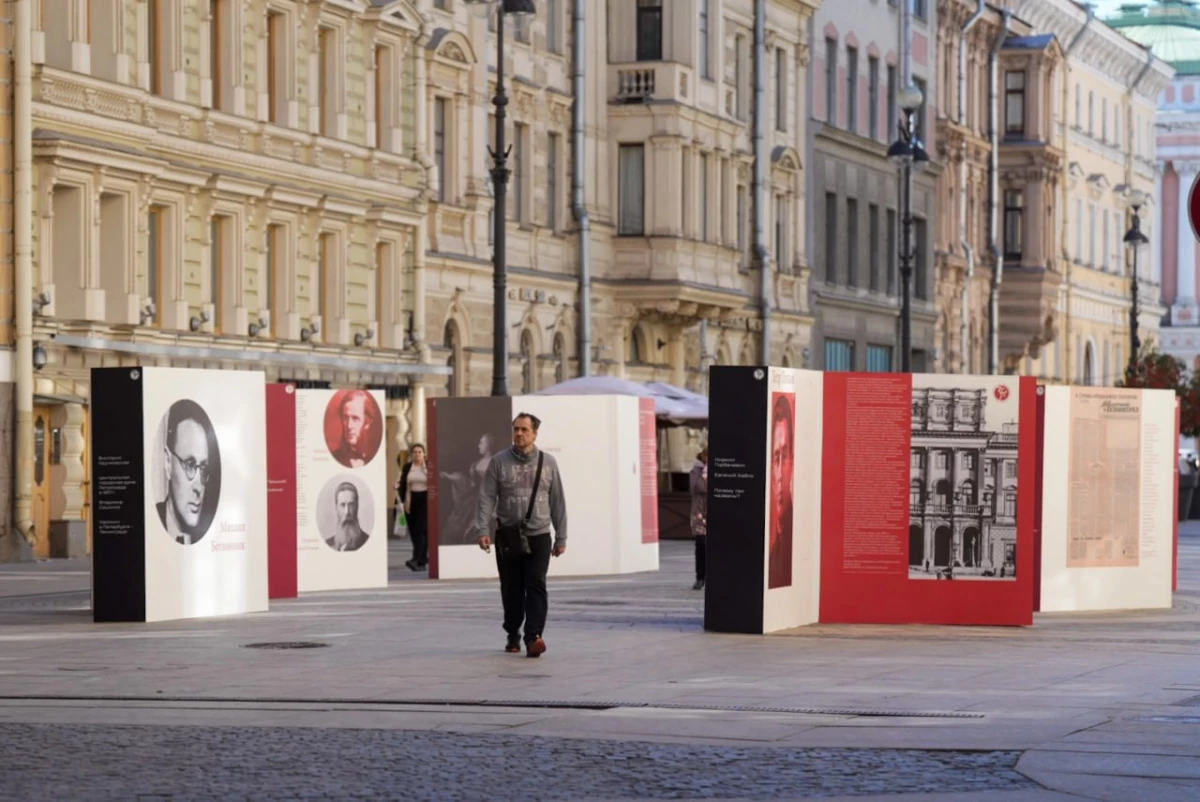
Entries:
{"x":287,"y":645}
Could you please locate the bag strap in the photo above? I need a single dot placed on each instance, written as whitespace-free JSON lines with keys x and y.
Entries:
{"x":537,"y":479}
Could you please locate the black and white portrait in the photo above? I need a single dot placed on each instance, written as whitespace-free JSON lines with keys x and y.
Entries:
{"x":469,"y":433}
{"x":963,"y":480}
{"x":345,"y":513}
{"x":187,"y":463}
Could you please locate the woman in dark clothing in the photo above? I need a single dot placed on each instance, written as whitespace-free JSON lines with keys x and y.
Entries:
{"x":414,"y":500}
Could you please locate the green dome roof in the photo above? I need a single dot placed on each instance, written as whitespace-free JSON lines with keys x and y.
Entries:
{"x":1171,"y":28}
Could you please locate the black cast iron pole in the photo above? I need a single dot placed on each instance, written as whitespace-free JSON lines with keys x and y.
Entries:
{"x":1134,"y":342}
{"x":500,"y":174}
{"x":906,"y":255}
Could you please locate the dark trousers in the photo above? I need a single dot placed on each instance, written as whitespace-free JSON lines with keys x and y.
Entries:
{"x":699,"y":556}
{"x":523,"y":587}
{"x":418,"y":527}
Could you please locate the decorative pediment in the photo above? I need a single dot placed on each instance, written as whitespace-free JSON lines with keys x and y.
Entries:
{"x":452,"y":46}
{"x":1099,"y":182}
{"x":1074,"y":171}
{"x":398,"y":12}
{"x":786,"y":158}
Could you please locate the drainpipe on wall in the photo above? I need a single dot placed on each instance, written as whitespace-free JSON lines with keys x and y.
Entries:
{"x":997,"y":247}
{"x":906,"y":43}
{"x":1066,"y":195}
{"x":579,"y":209}
{"x":23,"y":262}
{"x":964,"y":238}
{"x":760,"y":174}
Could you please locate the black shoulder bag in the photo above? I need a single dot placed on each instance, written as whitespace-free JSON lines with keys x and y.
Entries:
{"x":512,"y":539}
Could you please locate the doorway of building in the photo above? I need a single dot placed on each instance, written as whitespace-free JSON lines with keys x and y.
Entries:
{"x":40,"y":507}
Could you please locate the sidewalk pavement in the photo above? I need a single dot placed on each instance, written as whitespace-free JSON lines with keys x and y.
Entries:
{"x":404,"y":693}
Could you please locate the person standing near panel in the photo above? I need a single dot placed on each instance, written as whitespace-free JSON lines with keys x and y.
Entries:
{"x":522,"y":491}
{"x":414,"y":500}
{"x":698,"y":485}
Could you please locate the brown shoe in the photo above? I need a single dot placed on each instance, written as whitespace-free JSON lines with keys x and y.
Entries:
{"x":535,"y":648}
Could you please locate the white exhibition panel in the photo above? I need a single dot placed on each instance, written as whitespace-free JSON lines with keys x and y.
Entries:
{"x":595,"y":441}
{"x":1144,"y":581}
{"x":799,"y":603}
{"x":330,"y":476}
{"x":211,"y":559}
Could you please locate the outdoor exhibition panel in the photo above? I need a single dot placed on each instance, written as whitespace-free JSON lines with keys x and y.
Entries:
{"x":1108,"y":506}
{"x":927,"y":513}
{"x":281,"y":491}
{"x":605,"y":450}
{"x":341,"y":490}
{"x":764,"y":499}
{"x":179,"y":493}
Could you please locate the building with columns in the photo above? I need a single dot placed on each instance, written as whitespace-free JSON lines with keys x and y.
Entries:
{"x":1065,"y":306}
{"x":1172,"y":29}
{"x":861,"y":62}
{"x":303,"y":188}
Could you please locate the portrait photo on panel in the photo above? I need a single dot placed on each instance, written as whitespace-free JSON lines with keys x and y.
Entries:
{"x":353,"y":427}
{"x":345,"y":513}
{"x":187,"y":472}
{"x":783,"y":471}
{"x":468,"y":436}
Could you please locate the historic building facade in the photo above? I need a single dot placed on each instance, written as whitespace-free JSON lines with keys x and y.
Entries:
{"x":1172,"y":29}
{"x":1101,"y":111}
{"x":858,"y":69}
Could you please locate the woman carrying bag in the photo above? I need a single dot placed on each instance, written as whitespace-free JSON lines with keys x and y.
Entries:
{"x":414,"y":503}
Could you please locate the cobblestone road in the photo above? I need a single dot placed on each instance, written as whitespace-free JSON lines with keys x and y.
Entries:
{"x":252,"y":763}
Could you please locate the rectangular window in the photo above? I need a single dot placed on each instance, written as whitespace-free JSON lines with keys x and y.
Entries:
{"x":831,"y":237}
{"x":879,"y":359}
{"x":943,"y":460}
{"x":873,"y":247}
{"x":919,"y":9}
{"x":1014,"y":222}
{"x":383,"y":259}
{"x":1079,"y":231}
{"x":154,"y":258}
{"x":704,"y":197}
{"x":439,"y":146}
{"x":553,"y":23}
{"x":705,"y":45}
{"x":839,"y":355}
{"x":831,"y":84}
{"x":780,"y":217}
{"x":891,"y":103}
{"x":442,"y":4}
{"x":324,"y":265}
{"x":1104,"y":119}
{"x":631,"y":189}
{"x":741,"y":220}
{"x":1014,"y":103}
{"x":216,"y":267}
{"x":266,"y":298}
{"x":216,"y":46}
{"x":920,"y":258}
{"x":851,"y":242}
{"x":1091,"y":236}
{"x":1078,"y":106}
{"x":781,"y":103}
{"x":327,"y":63}
{"x":919,"y":116}
{"x":518,"y":172}
{"x":649,"y":30}
{"x":552,"y":182}
{"x":1091,"y":129}
{"x":1104,"y":242}
{"x":153,"y":47}
{"x":275,"y":71}
{"x":852,"y":89}
{"x":739,"y":75}
{"x":891,"y":251}
{"x":873,"y":97}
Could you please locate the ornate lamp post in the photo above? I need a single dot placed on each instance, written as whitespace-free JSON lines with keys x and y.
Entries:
{"x":500,"y":174}
{"x":908,"y":154}
{"x":1134,"y":240}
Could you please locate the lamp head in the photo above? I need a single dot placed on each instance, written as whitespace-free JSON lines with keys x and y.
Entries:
{"x":900,"y":153}
{"x":909,"y":98}
{"x":1136,"y":199}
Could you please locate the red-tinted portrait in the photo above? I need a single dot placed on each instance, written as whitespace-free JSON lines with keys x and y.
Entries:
{"x":353,"y":427}
{"x":783,"y":469}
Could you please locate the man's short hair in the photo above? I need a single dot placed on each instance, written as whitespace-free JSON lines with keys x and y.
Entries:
{"x":783,"y":413}
{"x":354,"y":395}
{"x":344,"y":486}
{"x":180,"y":411}
{"x":534,"y":420}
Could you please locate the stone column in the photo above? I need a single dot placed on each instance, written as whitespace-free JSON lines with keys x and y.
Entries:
{"x":1155,"y":233}
{"x":1184,"y":310}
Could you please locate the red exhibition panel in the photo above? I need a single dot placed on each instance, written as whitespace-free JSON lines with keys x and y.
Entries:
{"x":281,"y":491}
{"x":927,"y":499}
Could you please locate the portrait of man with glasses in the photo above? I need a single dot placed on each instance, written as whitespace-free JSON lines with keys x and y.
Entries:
{"x":191,"y":471}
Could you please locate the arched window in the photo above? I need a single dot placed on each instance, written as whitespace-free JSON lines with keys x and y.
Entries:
{"x":560,"y":358}
{"x":450,"y":339}
{"x":637,"y":346}
{"x":528,"y":363}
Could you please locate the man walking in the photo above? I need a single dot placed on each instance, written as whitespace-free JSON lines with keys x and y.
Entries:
{"x":522,"y":492}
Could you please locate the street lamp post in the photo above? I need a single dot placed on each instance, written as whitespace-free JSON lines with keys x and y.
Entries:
{"x":1134,"y":240}
{"x":500,"y":174}
{"x":908,"y":154}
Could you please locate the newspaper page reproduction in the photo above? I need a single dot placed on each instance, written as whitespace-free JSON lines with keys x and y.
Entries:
{"x":1104,"y":481}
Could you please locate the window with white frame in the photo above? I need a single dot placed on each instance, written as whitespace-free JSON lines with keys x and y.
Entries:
{"x":1014,"y":103}
{"x":329,"y":65}
{"x":157,"y":232}
{"x":220,"y":33}
{"x":1105,"y":242}
{"x":831,"y":83}
{"x":1079,"y":230}
{"x":852,"y":89}
{"x":552,"y":146}
{"x":1091,"y":235}
{"x":631,"y":189}
{"x":279,"y":66}
{"x":273,"y":268}
{"x":385,"y":96}
{"x":1104,"y":119}
{"x":440,"y":106}
{"x":519,"y":186}
{"x":553,"y":25}
{"x":705,"y":44}
{"x":781,"y":84}
{"x":220,"y":250}
{"x":873,"y":97}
